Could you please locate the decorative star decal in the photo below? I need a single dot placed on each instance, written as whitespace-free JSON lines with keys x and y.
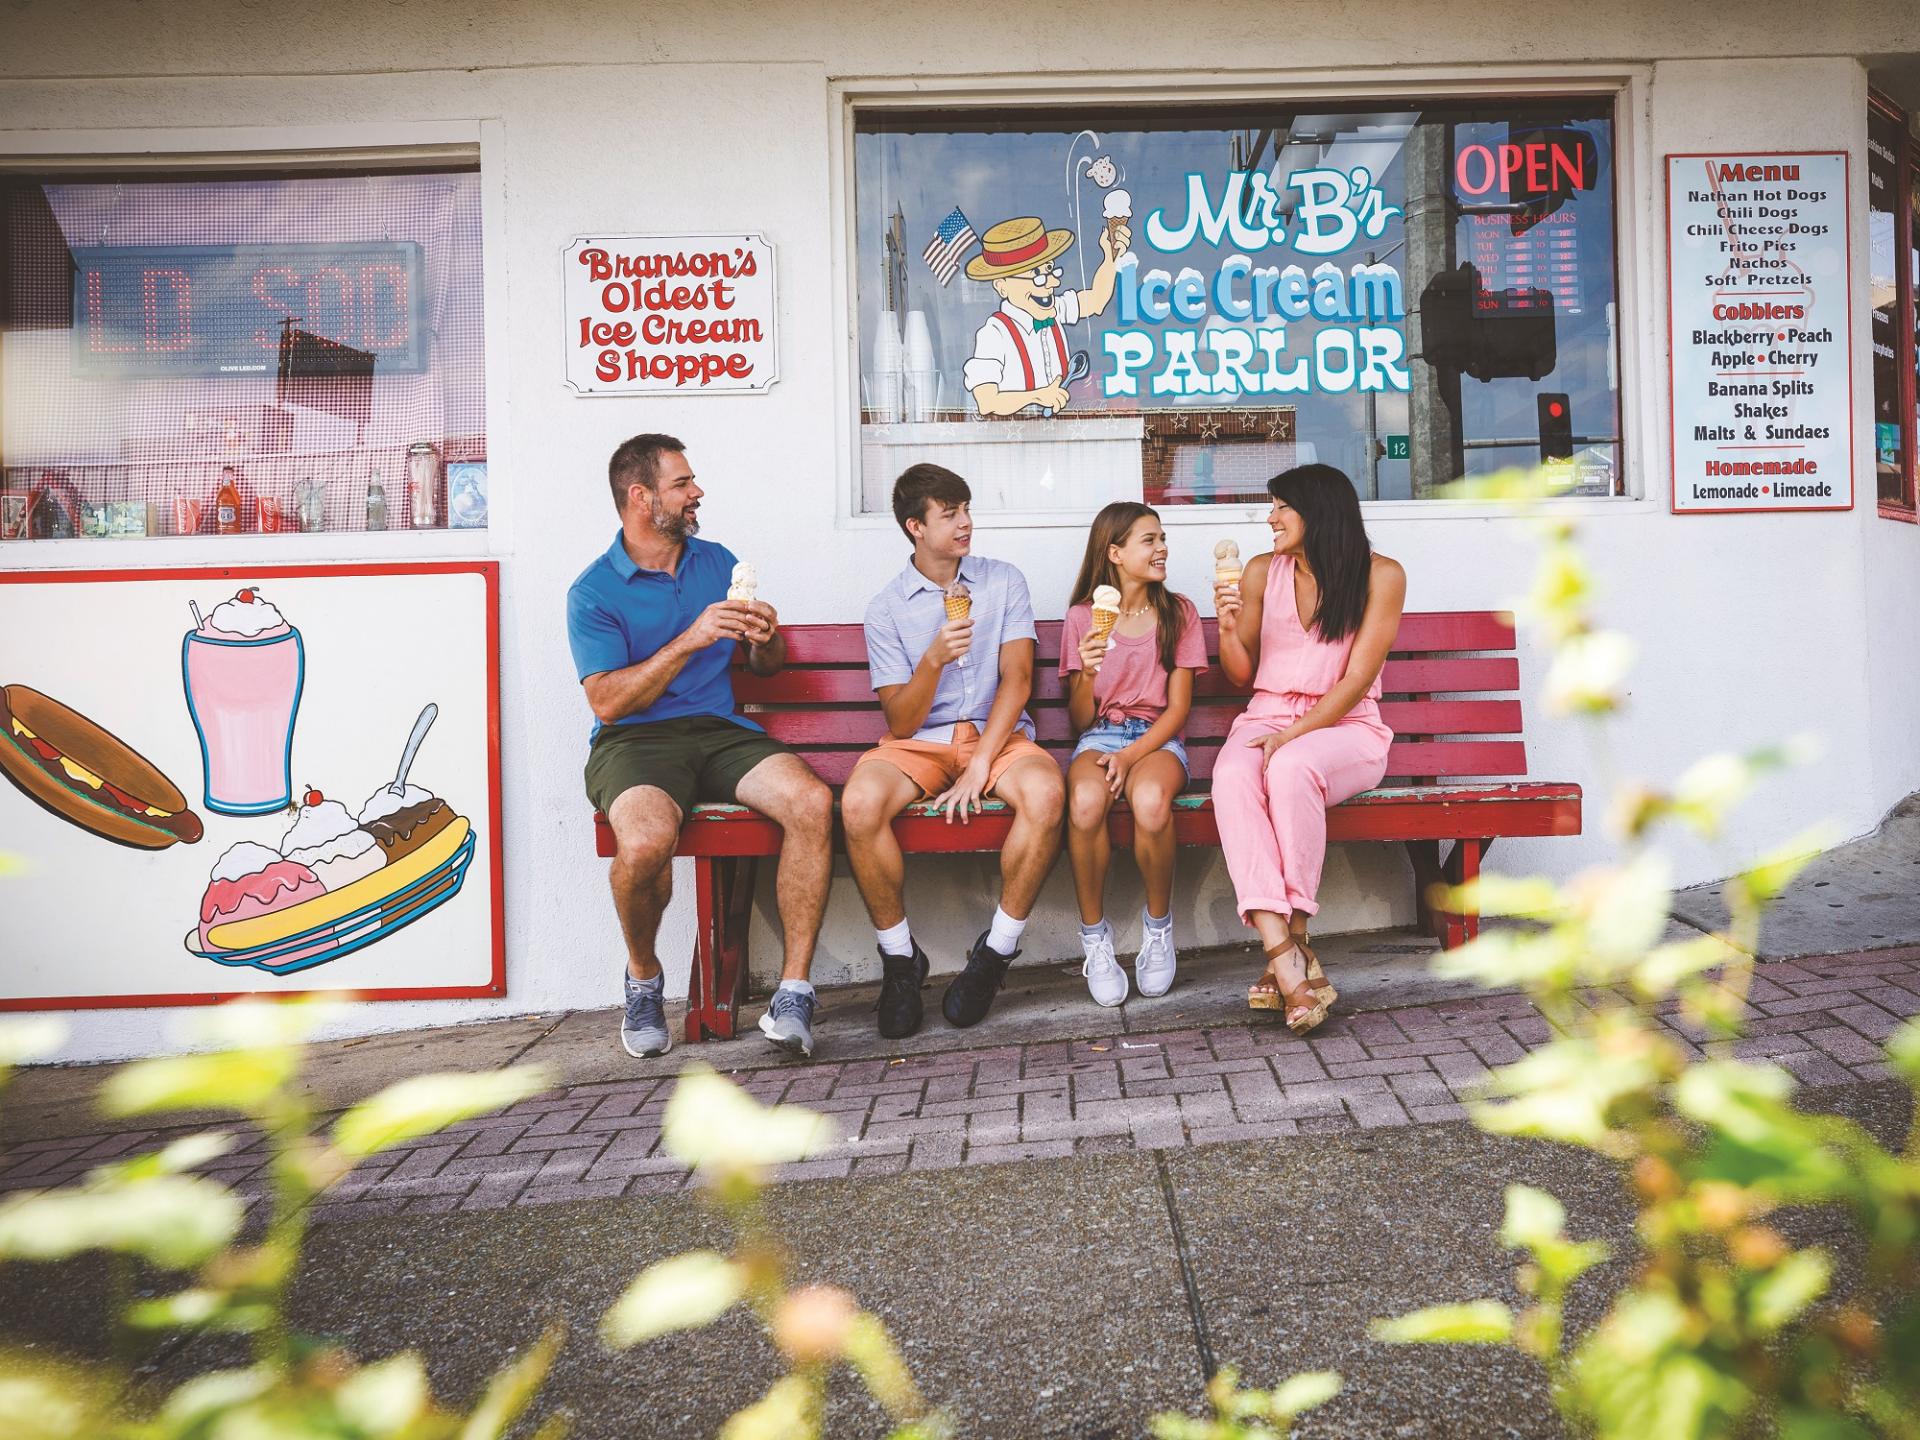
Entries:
{"x":1210,"y":429}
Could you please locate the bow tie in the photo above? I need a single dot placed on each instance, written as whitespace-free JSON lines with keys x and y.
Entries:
{"x":1040,"y":325}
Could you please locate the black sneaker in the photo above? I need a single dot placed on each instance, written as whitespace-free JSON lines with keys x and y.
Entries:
{"x":971,"y":994}
{"x":899,"y":1006}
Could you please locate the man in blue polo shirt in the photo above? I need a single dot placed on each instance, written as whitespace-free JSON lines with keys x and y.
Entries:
{"x":653,"y":636}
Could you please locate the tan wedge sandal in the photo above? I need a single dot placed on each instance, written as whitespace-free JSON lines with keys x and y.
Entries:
{"x":1316,"y":977}
{"x":1303,"y":1006}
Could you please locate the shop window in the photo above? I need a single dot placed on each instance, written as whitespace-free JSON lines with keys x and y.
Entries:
{"x":1892,"y":256}
{"x":1410,"y":293}
{"x":199,"y":353}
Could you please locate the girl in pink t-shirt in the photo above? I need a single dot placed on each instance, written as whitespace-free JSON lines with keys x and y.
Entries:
{"x":1128,"y":697}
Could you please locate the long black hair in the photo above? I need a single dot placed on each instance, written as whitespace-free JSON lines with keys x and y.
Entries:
{"x":1110,"y":527}
{"x":1338,"y":551}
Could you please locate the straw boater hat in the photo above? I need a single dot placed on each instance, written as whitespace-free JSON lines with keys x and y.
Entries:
{"x":1014,"y":246}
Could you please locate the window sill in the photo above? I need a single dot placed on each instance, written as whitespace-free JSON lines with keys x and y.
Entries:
{"x":161,"y":552}
{"x":1904,"y":513}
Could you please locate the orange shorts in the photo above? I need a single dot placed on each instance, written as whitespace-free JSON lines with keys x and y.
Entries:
{"x":934,"y":765}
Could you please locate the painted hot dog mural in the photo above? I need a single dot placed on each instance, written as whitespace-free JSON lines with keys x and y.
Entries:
{"x":339,"y":879}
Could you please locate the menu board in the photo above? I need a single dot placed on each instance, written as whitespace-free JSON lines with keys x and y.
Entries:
{"x":1518,"y":271}
{"x":1759,"y":318}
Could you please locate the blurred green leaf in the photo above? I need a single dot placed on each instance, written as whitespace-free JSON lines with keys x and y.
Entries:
{"x":198,"y":1310}
{"x":785,"y":1412}
{"x":1300,"y":1393}
{"x":425,"y":1104}
{"x":196,"y":1402}
{"x":1587,"y":674}
{"x":1785,"y":1291}
{"x":1532,"y":897}
{"x":1767,"y":879}
{"x":24,"y":1041}
{"x":1499,"y":958}
{"x":1903,"y":1049}
{"x":1515,"y":484}
{"x":385,"y":1398}
{"x":229,"y":1080}
{"x":174,"y":1221}
{"x":1709,"y":789}
{"x":1533,"y":1218}
{"x":266,"y":1024}
{"x":1475,"y":1322}
{"x":1564,"y":1091}
{"x":1665,"y":966}
{"x":711,"y":1123}
{"x":683,"y":1293}
{"x":871,"y":1351}
{"x":188,"y":1153}
{"x":1624,"y":909}
{"x":512,"y":1388}
{"x":44,"y":1400}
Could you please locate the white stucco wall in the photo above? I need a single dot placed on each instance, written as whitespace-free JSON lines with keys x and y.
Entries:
{"x":606,"y":117}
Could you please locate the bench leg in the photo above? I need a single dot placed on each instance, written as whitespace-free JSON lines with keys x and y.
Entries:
{"x":723,"y":896}
{"x":1427,"y":873}
{"x":1462,"y":863}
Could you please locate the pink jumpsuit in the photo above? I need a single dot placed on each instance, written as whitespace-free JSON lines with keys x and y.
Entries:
{"x":1273,"y":825}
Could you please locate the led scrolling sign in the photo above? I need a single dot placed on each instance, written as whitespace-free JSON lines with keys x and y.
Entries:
{"x":209,"y":310}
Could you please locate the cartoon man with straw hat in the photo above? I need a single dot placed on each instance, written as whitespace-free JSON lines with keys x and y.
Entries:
{"x":1020,"y":353}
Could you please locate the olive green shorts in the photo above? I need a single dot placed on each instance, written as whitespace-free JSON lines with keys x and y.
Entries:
{"x":692,"y":758}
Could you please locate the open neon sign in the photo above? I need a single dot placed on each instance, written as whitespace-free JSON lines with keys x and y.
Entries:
{"x":158,"y":310}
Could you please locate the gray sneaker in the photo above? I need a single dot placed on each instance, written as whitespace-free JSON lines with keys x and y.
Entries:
{"x":788,"y":1022}
{"x":643,"y":1029}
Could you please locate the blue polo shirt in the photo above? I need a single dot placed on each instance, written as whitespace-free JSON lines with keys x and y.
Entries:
{"x":619,"y":614}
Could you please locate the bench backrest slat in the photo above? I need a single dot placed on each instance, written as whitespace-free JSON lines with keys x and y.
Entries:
{"x":822,"y":704}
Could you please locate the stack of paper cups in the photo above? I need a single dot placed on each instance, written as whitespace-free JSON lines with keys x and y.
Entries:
{"x":885,"y":369}
{"x":923,"y":380}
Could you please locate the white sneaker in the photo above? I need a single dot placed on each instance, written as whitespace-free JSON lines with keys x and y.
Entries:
{"x":1106,"y":981}
{"x":1153,"y":967}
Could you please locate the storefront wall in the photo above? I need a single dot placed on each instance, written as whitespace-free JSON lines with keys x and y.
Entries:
{"x":600,"y":119}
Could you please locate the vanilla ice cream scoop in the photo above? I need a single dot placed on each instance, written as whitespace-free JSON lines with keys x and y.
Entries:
{"x":1226,"y":563}
{"x":1117,"y":205}
{"x":746,"y":582}
{"x":1105,"y":597}
{"x":1106,"y":611}
{"x":245,"y":615}
{"x":1225,"y":550}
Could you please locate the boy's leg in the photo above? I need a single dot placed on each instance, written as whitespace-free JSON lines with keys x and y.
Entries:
{"x":1035,"y":792}
{"x":875,"y":793}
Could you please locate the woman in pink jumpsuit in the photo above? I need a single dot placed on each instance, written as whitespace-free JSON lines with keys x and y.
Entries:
{"x":1310,"y":625}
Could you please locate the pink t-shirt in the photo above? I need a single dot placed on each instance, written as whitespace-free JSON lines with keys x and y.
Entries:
{"x":1132,"y":683}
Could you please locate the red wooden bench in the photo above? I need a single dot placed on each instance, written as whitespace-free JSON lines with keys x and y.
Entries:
{"x":1451,"y":697}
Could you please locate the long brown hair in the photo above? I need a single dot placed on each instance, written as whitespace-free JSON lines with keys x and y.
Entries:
{"x":1110,"y":527}
{"x":1338,"y":551}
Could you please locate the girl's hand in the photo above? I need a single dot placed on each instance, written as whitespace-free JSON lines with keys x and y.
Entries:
{"x":1117,"y":764}
{"x":1268,"y":744}
{"x":1226,"y":601}
{"x":1093,"y":651}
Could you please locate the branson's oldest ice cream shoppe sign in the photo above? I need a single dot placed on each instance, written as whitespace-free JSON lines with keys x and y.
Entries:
{"x":679,"y":314}
{"x":1761,"y":330}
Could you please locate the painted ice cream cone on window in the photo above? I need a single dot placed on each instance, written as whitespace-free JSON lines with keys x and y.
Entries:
{"x":1106,"y":611}
{"x":1226,"y":563}
{"x":746,"y":582}
{"x":1117,"y":210}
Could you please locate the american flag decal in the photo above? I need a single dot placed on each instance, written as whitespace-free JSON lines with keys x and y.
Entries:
{"x":949,"y":246}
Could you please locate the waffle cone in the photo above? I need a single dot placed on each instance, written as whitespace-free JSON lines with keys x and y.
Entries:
{"x":959,"y":606}
{"x":1226,"y":574}
{"x":1103,"y":623}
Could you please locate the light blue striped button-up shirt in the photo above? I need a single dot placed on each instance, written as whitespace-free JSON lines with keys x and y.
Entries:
{"x":908,"y":613}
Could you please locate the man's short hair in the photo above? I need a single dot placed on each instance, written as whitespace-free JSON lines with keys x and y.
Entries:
{"x":919,"y":484}
{"x":637,"y":462}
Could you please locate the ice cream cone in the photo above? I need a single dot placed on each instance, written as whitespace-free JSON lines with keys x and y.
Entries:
{"x":1226,"y":563}
{"x":959,"y":602}
{"x":1106,"y":611}
{"x":746,"y":582}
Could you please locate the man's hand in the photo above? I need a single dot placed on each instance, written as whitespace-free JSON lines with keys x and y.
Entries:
{"x":722,"y":620}
{"x":1115,"y":245}
{"x":951,"y":641}
{"x":964,"y":792}
{"x":1226,"y":601}
{"x":1093,"y":651}
{"x":1053,"y":396}
{"x":1117,"y":765}
{"x":762,"y":622}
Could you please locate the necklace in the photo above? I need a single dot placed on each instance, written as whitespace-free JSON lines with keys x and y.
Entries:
{"x":1129,"y":614}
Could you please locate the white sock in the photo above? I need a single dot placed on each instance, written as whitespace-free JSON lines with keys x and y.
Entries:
{"x":1004,"y":934}
{"x":898,"y":940}
{"x":805,"y":987}
{"x":1094,"y":932}
{"x":1156,"y":922}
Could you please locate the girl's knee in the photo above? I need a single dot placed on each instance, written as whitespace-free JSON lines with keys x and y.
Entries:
{"x":1152,"y":807}
{"x":1087,"y":805}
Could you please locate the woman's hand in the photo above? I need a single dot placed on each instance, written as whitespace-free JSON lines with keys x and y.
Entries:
{"x":1226,"y":601}
{"x":1268,"y":744}
{"x":1117,"y":764}
{"x":1093,"y":652}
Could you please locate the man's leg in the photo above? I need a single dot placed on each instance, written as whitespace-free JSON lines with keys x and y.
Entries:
{"x":782,"y":788}
{"x":874,"y":794}
{"x":646,"y":826}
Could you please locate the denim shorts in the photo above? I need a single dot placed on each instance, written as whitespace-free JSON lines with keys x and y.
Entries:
{"x":1107,"y":736}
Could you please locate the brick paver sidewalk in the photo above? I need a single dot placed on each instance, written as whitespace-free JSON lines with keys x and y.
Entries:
{"x":1822,"y":1019}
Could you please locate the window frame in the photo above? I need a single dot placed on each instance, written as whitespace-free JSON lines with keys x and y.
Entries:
{"x":297,"y":150}
{"x":1637,"y":348}
{"x":1906,"y":173}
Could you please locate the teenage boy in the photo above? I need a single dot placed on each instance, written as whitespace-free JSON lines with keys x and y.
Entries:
{"x":654,"y":637}
{"x":955,"y":694}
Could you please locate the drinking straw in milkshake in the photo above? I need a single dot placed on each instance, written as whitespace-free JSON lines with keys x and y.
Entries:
{"x":243,"y":668}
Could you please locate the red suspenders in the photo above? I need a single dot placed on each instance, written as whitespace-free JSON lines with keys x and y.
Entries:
{"x":1020,"y":349}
